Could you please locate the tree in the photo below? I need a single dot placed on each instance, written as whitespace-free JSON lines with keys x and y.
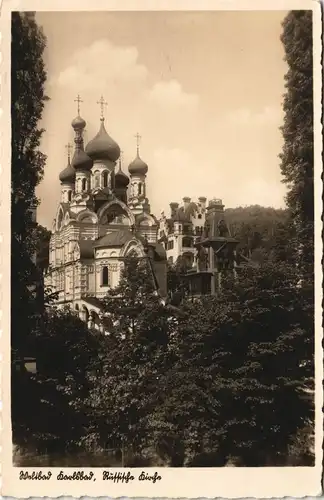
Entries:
{"x":125,"y":377}
{"x":239,"y":360}
{"x":46,"y":415}
{"x":255,"y":227}
{"x":177,"y":284}
{"x":272,"y":361}
{"x":297,"y":158}
{"x":42,"y":239}
{"x":28,"y":77}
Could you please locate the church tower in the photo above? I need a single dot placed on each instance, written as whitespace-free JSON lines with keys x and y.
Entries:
{"x":81,"y":163}
{"x":67,"y":178}
{"x":104,"y":152}
{"x":137,"y":195}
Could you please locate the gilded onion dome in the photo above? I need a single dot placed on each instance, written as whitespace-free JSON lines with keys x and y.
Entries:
{"x":102,"y":146}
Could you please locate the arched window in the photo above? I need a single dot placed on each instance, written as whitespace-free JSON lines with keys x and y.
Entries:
{"x":97,"y":179}
{"x":105,"y":276}
{"x":139,"y":188}
{"x":105,"y":178}
{"x":84,"y":184}
{"x":70,"y":195}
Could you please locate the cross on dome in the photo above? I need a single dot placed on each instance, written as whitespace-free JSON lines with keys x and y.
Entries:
{"x":137,"y":166}
{"x":102,"y":103}
{"x":69,"y":148}
{"x":138,"y":138}
{"x":78,"y":100}
{"x":78,"y":123}
{"x":121,"y":157}
{"x":68,"y":173}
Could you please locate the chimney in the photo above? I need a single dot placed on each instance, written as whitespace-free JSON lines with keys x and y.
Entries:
{"x":173,"y":206}
{"x":186,"y":200}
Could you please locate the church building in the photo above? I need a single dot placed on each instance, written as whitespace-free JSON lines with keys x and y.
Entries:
{"x":103,"y":217}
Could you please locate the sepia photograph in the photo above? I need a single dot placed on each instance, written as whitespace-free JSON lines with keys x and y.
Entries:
{"x":162,"y":239}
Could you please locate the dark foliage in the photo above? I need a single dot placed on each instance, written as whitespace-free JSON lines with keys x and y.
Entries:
{"x":297,"y":158}
{"x":126,"y":374}
{"x":239,"y":361}
{"x":257,"y":229}
{"x":44,"y":413}
{"x":28,"y":77}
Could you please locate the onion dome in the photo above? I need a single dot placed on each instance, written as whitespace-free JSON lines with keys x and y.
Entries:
{"x":68,"y":174}
{"x":78,"y":123}
{"x":138,"y":166}
{"x":121,"y":179}
{"x":102,"y":146}
{"x":81,"y":160}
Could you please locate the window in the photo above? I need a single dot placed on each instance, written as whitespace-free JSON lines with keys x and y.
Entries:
{"x":96,"y":179}
{"x":170,"y":244}
{"x":70,"y":195}
{"x":186,"y":242}
{"x":84,"y":184}
{"x":199,"y":216}
{"x":105,"y":178}
{"x":139,"y":188}
{"x":105,"y":276}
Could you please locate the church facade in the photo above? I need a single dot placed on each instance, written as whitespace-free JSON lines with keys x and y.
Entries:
{"x":103,"y":216}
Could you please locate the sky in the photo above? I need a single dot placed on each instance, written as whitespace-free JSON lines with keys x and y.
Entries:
{"x":203,"y":89}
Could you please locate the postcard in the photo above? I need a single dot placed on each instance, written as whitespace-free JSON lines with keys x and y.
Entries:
{"x":161,"y":249}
